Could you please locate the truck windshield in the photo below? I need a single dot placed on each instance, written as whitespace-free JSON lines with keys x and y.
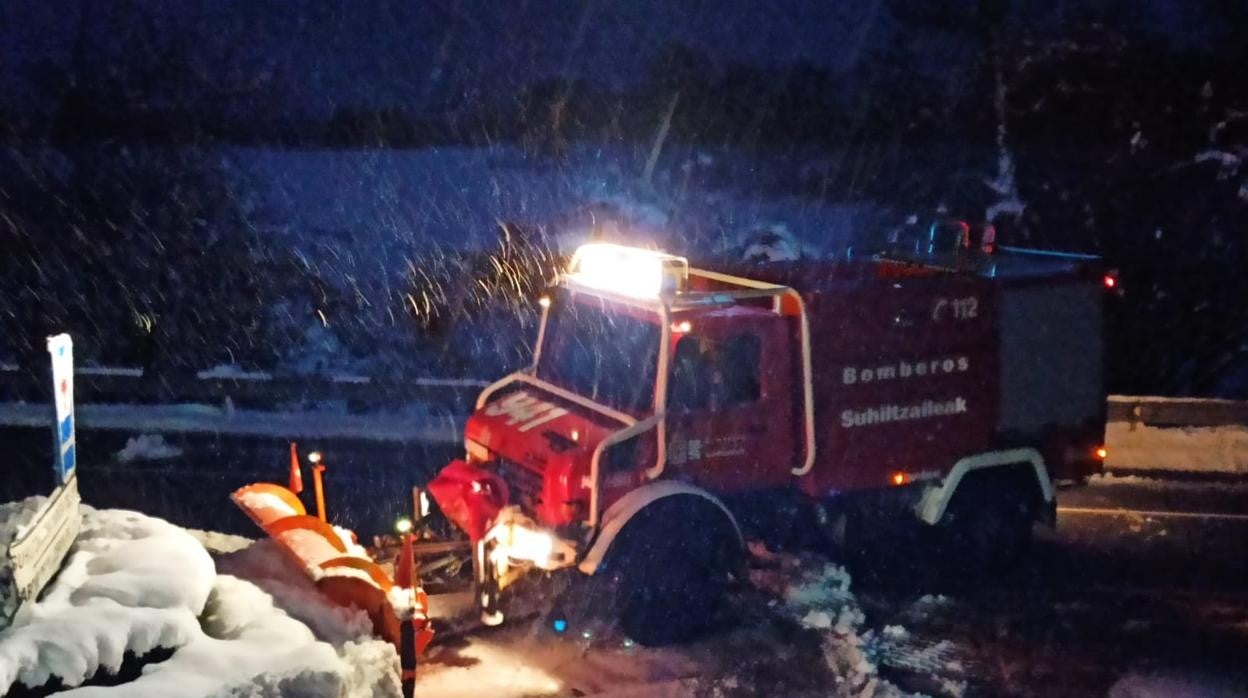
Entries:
{"x":602,"y":353}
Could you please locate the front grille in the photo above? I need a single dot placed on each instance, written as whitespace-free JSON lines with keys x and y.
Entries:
{"x":524,"y":484}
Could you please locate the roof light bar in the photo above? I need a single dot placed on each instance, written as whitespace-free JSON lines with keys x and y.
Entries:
{"x":628,"y":271}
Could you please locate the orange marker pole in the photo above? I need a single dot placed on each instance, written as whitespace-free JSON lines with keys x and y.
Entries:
{"x":318,"y":484}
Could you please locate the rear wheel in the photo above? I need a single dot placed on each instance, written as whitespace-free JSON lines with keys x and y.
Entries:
{"x":671,"y":569}
{"x":987,"y":529}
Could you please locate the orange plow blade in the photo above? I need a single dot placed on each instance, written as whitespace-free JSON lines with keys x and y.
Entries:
{"x":341,"y":569}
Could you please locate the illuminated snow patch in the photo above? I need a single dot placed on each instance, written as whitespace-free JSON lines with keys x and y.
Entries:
{"x":496,"y":672}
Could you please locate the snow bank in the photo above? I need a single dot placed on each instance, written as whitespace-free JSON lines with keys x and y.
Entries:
{"x":268,"y":568}
{"x":216,"y":542}
{"x":249,"y":647}
{"x":1221,"y":449}
{"x":130,"y":584}
{"x":133,"y":584}
{"x":1157,"y":483}
{"x":147,"y":447}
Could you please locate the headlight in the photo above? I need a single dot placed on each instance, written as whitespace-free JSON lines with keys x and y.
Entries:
{"x":517,"y":539}
{"x":528,"y":545}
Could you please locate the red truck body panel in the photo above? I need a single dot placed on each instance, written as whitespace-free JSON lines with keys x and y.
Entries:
{"x":915,"y":368}
{"x":903,"y":384}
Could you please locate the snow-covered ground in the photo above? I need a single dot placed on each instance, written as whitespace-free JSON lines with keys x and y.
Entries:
{"x":793,"y":628}
{"x":133,"y":585}
{"x":243,"y":620}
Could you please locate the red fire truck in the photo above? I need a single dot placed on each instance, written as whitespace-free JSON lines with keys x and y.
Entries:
{"x":664,"y":402}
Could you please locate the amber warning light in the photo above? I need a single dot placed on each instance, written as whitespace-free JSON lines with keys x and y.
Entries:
{"x":1102,"y":453}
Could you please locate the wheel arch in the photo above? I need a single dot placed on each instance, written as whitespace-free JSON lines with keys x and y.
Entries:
{"x":630,"y":505}
{"x":935,"y":499}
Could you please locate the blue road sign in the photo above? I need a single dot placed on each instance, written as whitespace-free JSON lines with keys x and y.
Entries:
{"x":61,"y":348}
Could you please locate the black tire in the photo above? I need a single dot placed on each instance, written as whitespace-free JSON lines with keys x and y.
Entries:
{"x":986,"y":530}
{"x":671,"y":568}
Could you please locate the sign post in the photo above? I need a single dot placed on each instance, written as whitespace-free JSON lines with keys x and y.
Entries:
{"x":62,"y":350}
{"x":36,"y":553}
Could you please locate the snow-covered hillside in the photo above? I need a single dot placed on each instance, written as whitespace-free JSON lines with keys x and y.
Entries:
{"x":362,"y":213}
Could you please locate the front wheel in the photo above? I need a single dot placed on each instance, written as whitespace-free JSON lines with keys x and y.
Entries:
{"x":671,"y":573}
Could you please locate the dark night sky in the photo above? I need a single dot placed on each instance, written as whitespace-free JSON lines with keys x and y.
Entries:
{"x":309,"y":55}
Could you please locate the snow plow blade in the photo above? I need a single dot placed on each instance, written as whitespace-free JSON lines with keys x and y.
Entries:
{"x":340,"y":568}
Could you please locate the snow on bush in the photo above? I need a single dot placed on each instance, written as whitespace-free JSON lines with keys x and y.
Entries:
{"x":769,"y":242}
{"x":147,"y":447}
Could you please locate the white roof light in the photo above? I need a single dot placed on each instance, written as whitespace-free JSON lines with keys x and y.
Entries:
{"x":628,"y":271}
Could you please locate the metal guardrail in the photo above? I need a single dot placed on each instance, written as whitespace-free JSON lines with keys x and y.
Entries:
{"x":361,"y":393}
{"x":1177,"y":412}
{"x":457,"y":395}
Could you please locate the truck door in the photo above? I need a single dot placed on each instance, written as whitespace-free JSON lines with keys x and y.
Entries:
{"x":730,"y":406}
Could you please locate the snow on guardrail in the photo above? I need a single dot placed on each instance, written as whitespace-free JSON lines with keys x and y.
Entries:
{"x":1179,"y":435}
{"x":257,"y":390}
{"x":427,"y":428}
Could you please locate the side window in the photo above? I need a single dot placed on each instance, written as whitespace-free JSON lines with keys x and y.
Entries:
{"x":715,"y":374}
{"x":739,"y":367}
{"x":689,"y":387}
